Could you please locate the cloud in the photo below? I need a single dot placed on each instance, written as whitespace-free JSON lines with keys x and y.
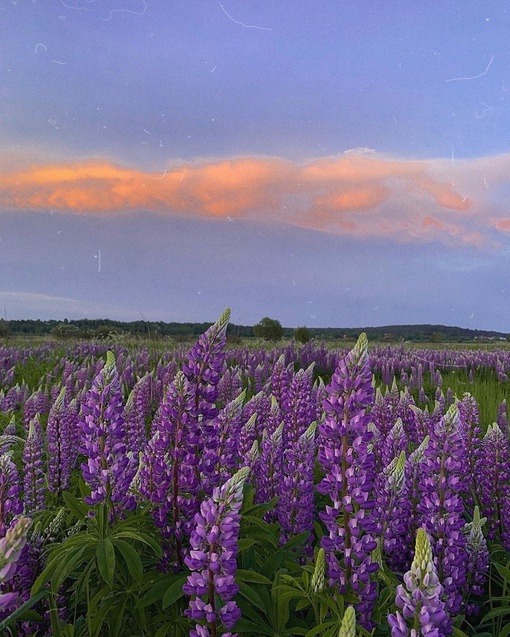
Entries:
{"x":359,"y":193}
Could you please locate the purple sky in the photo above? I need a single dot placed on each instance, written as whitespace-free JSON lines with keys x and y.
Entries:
{"x":324,"y":163}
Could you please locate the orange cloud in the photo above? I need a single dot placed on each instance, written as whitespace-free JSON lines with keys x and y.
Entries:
{"x":361,"y":195}
{"x":502,"y":224}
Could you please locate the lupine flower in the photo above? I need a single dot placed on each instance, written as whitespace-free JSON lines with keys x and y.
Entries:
{"x":10,"y":488}
{"x":349,"y":480}
{"x":269,"y":471}
{"x":10,"y":549}
{"x":319,"y":573}
{"x":295,"y":508}
{"x":108,"y":470}
{"x":441,"y":506}
{"x":478,"y":560}
{"x":419,"y":598}
{"x":60,"y":443}
{"x":493,"y":481}
{"x":393,"y":511}
{"x":34,"y":476}
{"x":213,"y":557}
{"x":348,"y":627}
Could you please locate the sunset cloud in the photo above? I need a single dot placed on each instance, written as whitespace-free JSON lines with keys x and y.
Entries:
{"x":358,"y":193}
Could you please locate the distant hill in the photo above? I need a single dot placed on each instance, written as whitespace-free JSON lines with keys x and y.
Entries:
{"x":97,"y":328}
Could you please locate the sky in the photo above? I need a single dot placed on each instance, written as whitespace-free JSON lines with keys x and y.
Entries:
{"x":327,"y":163}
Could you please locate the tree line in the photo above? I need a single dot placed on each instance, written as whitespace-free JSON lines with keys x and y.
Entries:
{"x":267,"y":328}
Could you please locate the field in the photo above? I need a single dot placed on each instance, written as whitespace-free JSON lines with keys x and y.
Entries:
{"x":207,"y":490}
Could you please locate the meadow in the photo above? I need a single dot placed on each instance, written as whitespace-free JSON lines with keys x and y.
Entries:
{"x":207,"y":490}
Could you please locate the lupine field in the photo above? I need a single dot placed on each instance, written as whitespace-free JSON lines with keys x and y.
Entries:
{"x":235,"y":491}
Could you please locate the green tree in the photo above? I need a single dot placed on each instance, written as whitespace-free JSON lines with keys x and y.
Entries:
{"x":4,"y":328}
{"x":302,"y":334}
{"x":269,"y":329}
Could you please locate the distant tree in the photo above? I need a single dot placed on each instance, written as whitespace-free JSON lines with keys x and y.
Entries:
{"x":302,"y":334}
{"x":269,"y":329}
{"x":4,"y":328}
{"x":437,"y":337}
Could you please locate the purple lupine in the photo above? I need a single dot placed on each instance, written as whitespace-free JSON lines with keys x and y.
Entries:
{"x":154,"y":477}
{"x":502,"y":418}
{"x":33,"y":469}
{"x":295,"y":509}
{"x":108,"y":470}
{"x":279,"y":380}
{"x":203,"y":366}
{"x":471,"y":440}
{"x":478,"y":561}
{"x":220,"y":439}
{"x":299,"y":407}
{"x":37,"y":403}
{"x":393,"y":444}
{"x":11,"y":546}
{"x":178,"y":422}
{"x":422,"y":612}
{"x":493,"y":480}
{"x":349,"y":480}
{"x":269,"y":470}
{"x":441,"y":505}
{"x":413,"y":471}
{"x":60,"y":443}
{"x":213,"y":559}
{"x":10,"y":488}
{"x":392,"y":512}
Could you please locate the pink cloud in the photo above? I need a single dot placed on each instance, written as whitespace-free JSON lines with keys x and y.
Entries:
{"x":360,"y":195}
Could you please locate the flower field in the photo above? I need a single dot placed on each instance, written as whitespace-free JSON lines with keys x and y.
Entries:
{"x":234,"y":491}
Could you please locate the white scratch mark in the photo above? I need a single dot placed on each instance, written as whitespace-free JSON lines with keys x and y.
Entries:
{"x":70,"y":7}
{"x":473,"y":77}
{"x":213,"y":69}
{"x":246,"y":26}
{"x":485,"y":182}
{"x":38,"y":45}
{"x":161,"y":177}
{"x":126,"y":11}
{"x":57,"y":62}
{"x":485,"y":109}
{"x":146,"y":131}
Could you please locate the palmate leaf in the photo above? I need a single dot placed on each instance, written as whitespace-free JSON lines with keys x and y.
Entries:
{"x":105,"y":558}
{"x":174,"y":592}
{"x":132,"y":559}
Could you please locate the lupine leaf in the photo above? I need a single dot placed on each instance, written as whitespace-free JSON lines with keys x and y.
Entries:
{"x":105,"y":557}
{"x":174,"y":592}
{"x":132,"y":559}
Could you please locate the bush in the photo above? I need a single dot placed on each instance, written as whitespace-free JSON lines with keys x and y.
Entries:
{"x":268,"y":329}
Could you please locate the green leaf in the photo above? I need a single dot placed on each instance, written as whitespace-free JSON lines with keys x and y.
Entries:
{"x":252,"y":628}
{"x":252,"y":596}
{"x":157,"y":590}
{"x":504,"y":572}
{"x":65,"y":564}
{"x":497,"y":612}
{"x":318,"y":629}
{"x":174,"y":592}
{"x":251,"y":576}
{"x":244,"y":544}
{"x":132,"y":559}
{"x":105,"y":557}
{"x":77,"y":507}
{"x":144,"y":538}
{"x":117,"y":619}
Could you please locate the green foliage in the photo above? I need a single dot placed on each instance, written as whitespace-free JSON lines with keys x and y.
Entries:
{"x":269,"y":329}
{"x":302,"y":334}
